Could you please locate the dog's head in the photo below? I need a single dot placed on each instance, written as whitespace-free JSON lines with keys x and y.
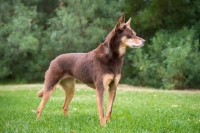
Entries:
{"x":122,"y":37}
{"x":125,"y":36}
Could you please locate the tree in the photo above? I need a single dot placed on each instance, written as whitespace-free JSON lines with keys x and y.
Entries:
{"x":32,"y":33}
{"x":149,"y":16}
{"x":172,"y":49}
{"x":19,"y":42}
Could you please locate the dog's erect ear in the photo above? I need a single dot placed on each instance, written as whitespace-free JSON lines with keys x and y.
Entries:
{"x":120,"y":23}
{"x":128,"y":23}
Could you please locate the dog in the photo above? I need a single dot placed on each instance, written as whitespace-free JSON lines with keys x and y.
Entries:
{"x":99,"y":69}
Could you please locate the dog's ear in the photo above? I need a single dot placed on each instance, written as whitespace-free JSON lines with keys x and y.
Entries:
{"x":120,"y":25}
{"x":128,"y":23}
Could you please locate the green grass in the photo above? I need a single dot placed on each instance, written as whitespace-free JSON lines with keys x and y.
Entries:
{"x":133,"y":111}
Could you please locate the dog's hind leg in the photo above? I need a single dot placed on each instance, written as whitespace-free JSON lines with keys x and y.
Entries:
{"x":51,"y":80}
{"x":46,"y":93}
{"x":68,"y":86}
{"x":40,"y":93}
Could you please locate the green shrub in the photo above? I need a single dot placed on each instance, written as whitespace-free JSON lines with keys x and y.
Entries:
{"x":32,"y":33}
{"x":19,"y":42}
{"x":171,"y":61}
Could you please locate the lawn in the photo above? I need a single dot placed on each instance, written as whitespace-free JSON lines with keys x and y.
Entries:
{"x":135,"y":110}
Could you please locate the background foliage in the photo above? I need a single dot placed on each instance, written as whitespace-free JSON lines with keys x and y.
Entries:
{"x":34,"y":32}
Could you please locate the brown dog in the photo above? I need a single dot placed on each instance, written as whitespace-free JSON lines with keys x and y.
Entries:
{"x":99,"y":69}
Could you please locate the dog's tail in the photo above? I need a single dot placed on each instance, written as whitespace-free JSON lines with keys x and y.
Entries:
{"x":40,"y":93}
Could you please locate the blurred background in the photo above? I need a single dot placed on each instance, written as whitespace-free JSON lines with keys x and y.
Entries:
{"x":33,"y":32}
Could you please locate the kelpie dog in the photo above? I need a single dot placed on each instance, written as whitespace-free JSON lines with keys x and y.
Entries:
{"x":99,"y":69}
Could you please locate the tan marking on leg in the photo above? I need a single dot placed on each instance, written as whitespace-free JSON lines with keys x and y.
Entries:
{"x":100,"y":107}
{"x":45,"y":98}
{"x":107,"y":78}
{"x":111,"y":97}
{"x":68,"y":86}
{"x":117,"y":79}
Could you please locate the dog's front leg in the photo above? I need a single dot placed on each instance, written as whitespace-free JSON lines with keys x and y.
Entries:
{"x":100,"y":104}
{"x":111,"y":98}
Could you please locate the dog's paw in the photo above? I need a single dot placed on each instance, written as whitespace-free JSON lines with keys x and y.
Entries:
{"x":103,"y":122}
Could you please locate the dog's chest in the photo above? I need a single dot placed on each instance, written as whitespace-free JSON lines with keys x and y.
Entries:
{"x":113,"y":66}
{"x":108,"y":78}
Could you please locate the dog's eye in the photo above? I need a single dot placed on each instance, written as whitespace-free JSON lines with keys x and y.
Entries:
{"x":129,"y":36}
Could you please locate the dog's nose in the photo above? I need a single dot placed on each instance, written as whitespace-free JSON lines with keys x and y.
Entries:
{"x":143,"y":40}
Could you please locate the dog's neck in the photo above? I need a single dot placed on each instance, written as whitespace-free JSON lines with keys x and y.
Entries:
{"x":109,"y":51}
{"x":111,"y":46}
